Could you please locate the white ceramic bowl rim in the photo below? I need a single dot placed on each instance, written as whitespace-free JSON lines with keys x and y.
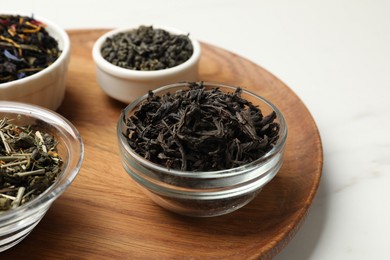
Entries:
{"x":59,"y":186}
{"x":138,"y":74}
{"x":210,"y":174}
{"x":62,"y":40}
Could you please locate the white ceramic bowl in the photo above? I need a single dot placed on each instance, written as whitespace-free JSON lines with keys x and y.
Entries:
{"x":16,"y":224}
{"x":47,"y":87}
{"x":126,"y":85}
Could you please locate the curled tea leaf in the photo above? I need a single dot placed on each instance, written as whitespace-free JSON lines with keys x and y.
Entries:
{"x":201,"y":130}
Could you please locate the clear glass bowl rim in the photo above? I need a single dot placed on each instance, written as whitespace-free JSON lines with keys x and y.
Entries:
{"x":209,"y":174}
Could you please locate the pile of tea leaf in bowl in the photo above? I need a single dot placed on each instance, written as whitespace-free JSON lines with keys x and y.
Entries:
{"x":29,"y":163}
{"x":34,"y":59}
{"x":133,"y":60}
{"x":201,"y":149}
{"x":146,"y":49}
{"x":26,"y":47}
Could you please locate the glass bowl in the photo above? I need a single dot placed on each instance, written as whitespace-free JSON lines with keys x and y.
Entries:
{"x":202,"y":194}
{"x":16,"y":224}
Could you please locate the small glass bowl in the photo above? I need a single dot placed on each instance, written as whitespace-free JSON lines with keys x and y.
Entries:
{"x":202,"y":194}
{"x":16,"y":224}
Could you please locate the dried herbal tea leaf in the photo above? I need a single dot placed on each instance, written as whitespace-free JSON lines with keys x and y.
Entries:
{"x":201,"y":130}
{"x":147,"y":48}
{"x":29,"y":163}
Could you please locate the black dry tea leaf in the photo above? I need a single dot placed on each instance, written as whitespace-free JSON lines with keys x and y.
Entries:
{"x":147,"y":48}
{"x":29,"y":163}
{"x":201,"y":130}
{"x":25,"y":47}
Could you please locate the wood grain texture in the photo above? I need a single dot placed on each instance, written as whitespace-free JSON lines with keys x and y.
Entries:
{"x":103,"y":214}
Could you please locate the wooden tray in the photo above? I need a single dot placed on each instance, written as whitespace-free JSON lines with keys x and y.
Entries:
{"x":103,"y":214}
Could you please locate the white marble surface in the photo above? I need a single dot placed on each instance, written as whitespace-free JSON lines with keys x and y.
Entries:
{"x":335,"y":55}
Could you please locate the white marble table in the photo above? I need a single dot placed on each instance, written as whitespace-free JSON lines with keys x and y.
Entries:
{"x":335,"y":55}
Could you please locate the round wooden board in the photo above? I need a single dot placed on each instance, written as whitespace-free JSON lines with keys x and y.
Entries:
{"x":103,"y":214}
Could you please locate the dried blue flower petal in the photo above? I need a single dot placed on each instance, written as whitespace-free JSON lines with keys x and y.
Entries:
{"x":21,"y":75}
{"x":11,"y":56}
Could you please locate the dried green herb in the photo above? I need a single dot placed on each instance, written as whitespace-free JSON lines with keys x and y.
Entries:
{"x":200,"y":130}
{"x":25,"y":47}
{"x":146,"y":48}
{"x":29,"y":163}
